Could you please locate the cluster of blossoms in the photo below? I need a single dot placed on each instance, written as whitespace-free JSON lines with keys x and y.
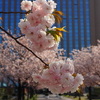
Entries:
{"x":59,"y":77}
{"x":41,"y":15}
{"x":38,"y":23}
{"x":87,"y":62}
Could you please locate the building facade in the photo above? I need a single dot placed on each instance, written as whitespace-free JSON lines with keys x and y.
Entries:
{"x":77,"y":22}
{"x":95,"y":21}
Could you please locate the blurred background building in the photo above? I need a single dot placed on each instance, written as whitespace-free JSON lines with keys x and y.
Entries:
{"x":77,"y":22}
{"x":81,"y":18}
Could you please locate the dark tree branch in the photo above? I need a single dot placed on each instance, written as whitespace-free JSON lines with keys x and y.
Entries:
{"x":97,"y":83}
{"x":96,"y":73}
{"x":23,"y":45}
{"x":12,"y":12}
{"x":20,"y":36}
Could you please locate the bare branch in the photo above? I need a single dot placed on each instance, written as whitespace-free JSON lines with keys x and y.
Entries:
{"x":12,"y":12}
{"x":23,"y":45}
{"x":20,"y":36}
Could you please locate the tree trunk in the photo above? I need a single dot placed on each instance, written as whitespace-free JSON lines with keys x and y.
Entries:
{"x":79,"y":96}
{"x":90,"y":93}
{"x":19,"y":89}
{"x":28,"y":93}
{"x":31,"y":92}
{"x":23,"y":93}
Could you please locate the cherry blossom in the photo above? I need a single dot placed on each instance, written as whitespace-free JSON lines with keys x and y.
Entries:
{"x":26,"y":5}
{"x":19,"y":63}
{"x":40,"y":16}
{"x":59,"y":82}
{"x":52,"y":3}
{"x":48,"y":67}
{"x":87,"y":62}
{"x":47,"y":9}
{"x":25,"y":27}
{"x":48,"y":20}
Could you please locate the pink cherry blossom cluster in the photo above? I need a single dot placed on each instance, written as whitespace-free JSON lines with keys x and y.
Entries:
{"x":37,"y":22}
{"x":20,"y":63}
{"x":59,"y":78}
{"x":87,"y":62}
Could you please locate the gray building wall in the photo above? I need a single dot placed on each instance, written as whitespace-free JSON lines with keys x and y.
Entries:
{"x":95,"y":21}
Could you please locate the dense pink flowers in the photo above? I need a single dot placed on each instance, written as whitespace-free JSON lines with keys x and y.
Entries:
{"x":37,"y":27}
{"x":26,"y":5}
{"x":20,"y":63}
{"x":48,"y":68}
{"x":37,"y":22}
{"x":87,"y":62}
{"x":58,"y":78}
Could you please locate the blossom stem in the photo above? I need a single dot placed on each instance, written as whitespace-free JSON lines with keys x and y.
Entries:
{"x":22,"y":45}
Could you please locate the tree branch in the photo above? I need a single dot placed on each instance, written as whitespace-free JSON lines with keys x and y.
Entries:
{"x":23,"y":45}
{"x":96,"y":73}
{"x":96,"y":83}
{"x":20,"y":36}
{"x":12,"y":12}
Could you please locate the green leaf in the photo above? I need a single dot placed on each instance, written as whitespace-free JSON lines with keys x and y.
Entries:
{"x":54,"y":34}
